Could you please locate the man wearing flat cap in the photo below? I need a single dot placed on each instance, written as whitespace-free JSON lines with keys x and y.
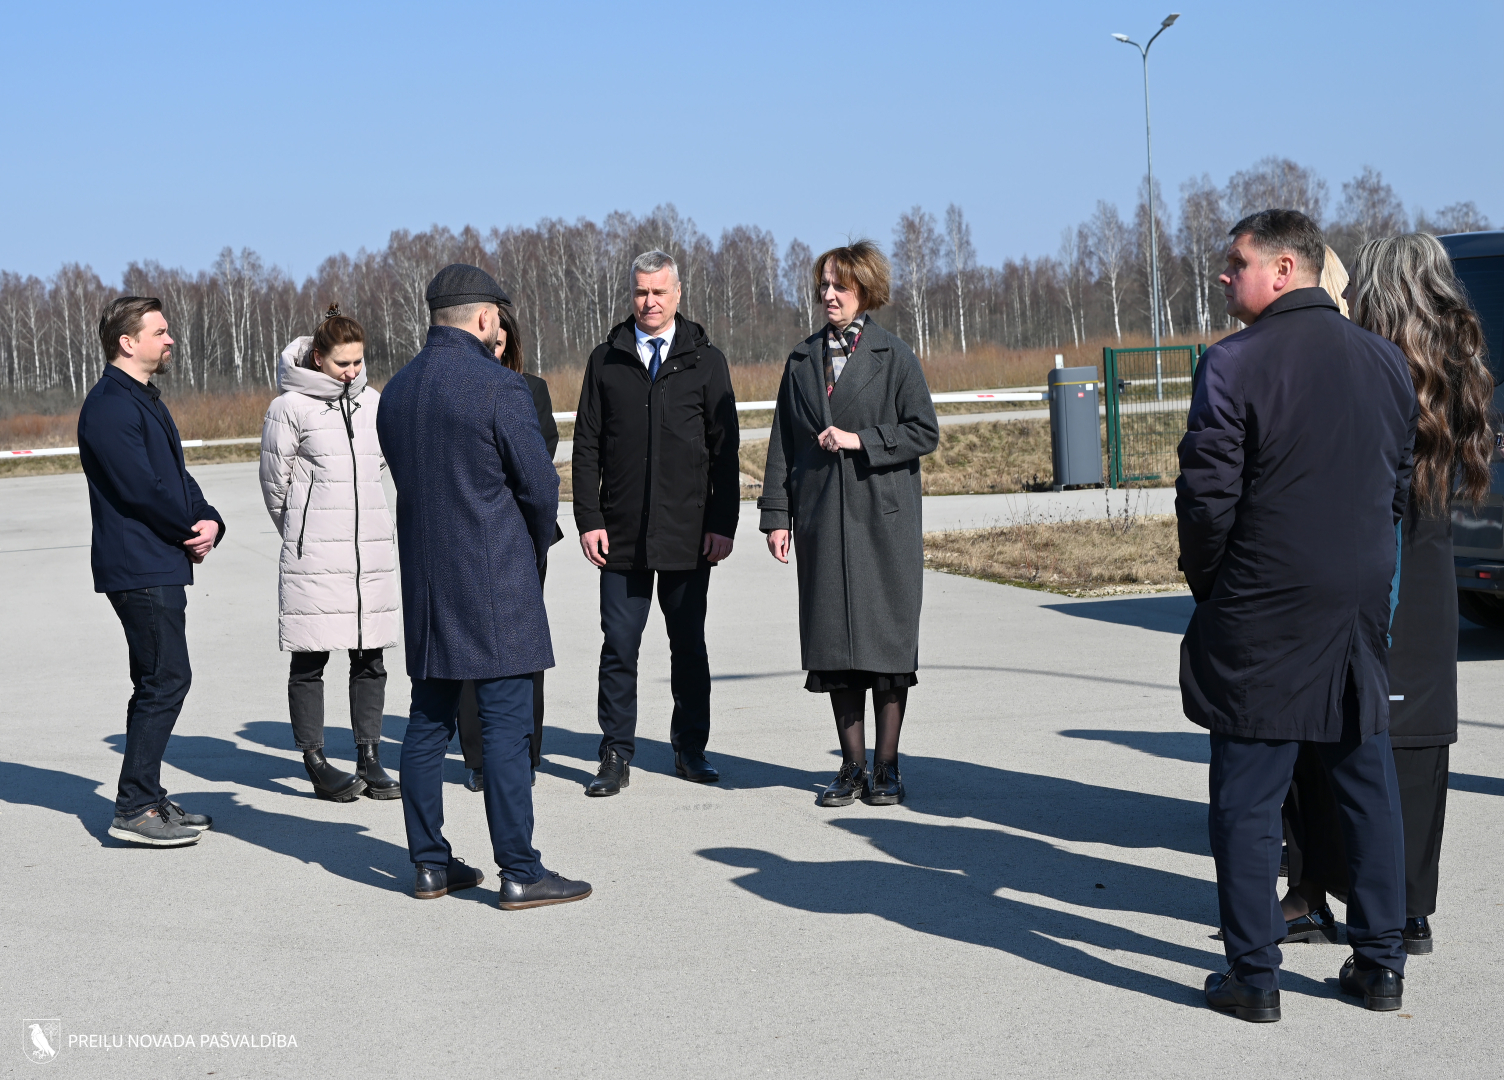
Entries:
{"x":477,"y":498}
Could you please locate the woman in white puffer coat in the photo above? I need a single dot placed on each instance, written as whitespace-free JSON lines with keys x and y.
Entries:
{"x":321,"y":469}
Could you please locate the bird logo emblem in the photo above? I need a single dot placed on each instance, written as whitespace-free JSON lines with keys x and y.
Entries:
{"x":40,"y":1040}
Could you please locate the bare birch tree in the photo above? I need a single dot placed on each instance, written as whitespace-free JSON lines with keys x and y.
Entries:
{"x":1109,"y":248}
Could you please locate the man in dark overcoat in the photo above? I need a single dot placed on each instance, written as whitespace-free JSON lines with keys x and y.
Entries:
{"x":151,"y":525}
{"x":1295,"y":470}
{"x":657,"y":491}
{"x":477,"y":502}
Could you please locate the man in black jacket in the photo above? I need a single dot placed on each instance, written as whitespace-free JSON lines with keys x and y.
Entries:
{"x":656,"y":491}
{"x":1295,"y":469}
{"x":151,"y":525}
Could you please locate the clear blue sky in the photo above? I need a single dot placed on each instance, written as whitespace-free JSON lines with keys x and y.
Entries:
{"x":166,"y":131}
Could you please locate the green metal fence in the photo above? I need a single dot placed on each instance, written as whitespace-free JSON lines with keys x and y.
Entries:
{"x":1148,"y":394}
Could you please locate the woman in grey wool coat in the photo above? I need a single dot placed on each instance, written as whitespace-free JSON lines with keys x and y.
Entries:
{"x":853,"y":418}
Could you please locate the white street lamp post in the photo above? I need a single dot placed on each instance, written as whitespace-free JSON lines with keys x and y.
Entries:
{"x":1154,"y":290}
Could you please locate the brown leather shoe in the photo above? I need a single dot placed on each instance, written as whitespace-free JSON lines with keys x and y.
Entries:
{"x":434,"y":881}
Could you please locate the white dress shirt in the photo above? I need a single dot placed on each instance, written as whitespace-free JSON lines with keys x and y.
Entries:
{"x":645,"y":351}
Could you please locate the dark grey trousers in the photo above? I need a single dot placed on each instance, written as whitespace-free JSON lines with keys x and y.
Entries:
{"x":305,"y":697}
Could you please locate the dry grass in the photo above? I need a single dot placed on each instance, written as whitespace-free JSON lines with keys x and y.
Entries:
{"x":198,"y":416}
{"x":69,"y":463}
{"x":994,"y":457}
{"x":1134,"y":553}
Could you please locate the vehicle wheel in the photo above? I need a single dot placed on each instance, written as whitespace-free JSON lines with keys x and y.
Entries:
{"x":1485,"y":609}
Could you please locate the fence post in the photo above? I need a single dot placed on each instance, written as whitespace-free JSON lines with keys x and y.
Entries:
{"x":1114,"y":435}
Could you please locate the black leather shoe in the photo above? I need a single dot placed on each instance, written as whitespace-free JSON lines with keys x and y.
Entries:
{"x":434,"y":881}
{"x":1417,"y":936}
{"x":549,"y":889}
{"x":848,"y":784}
{"x":1380,"y":988}
{"x":535,"y":779}
{"x":476,"y":781}
{"x":1318,"y":925}
{"x":330,"y":783}
{"x":693,"y":767}
{"x":1231,"y":994}
{"x":884,"y":788}
{"x":613,"y":775}
{"x":380,"y":784}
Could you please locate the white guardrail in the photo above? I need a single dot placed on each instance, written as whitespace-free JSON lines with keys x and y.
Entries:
{"x":1026,"y":394}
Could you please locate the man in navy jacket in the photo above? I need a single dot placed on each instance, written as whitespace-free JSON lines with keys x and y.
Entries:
{"x":477,"y":504}
{"x":1295,"y":469}
{"x":151,"y":525}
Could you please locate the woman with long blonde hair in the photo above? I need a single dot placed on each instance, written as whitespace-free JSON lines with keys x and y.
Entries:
{"x":1403,"y":288}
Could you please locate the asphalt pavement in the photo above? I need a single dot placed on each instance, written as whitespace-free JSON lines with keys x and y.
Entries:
{"x":1042,"y":906}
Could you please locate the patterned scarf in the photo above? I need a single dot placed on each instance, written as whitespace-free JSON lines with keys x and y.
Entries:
{"x":839,"y":348}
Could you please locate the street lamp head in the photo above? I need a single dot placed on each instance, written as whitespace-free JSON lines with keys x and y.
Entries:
{"x":1170,"y":20}
{"x":1121,"y":37}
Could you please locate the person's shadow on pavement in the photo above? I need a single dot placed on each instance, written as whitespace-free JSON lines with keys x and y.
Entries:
{"x":945,"y":884}
{"x":66,"y":793}
{"x":344,"y":848}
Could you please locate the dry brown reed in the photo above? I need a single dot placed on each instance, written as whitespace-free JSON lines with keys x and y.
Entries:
{"x":992,"y":457}
{"x":198,"y":416}
{"x":1079,"y":558}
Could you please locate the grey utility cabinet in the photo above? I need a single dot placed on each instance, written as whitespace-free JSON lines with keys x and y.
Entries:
{"x":1075,"y":427}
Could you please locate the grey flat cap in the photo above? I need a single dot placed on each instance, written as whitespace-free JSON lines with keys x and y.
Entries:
{"x":460,"y":283}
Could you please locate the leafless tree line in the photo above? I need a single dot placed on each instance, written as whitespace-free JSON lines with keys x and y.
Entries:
{"x":569,"y":282}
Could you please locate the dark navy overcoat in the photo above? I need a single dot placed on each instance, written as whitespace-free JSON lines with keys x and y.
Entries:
{"x":1294,"y":470}
{"x":477,"y":503}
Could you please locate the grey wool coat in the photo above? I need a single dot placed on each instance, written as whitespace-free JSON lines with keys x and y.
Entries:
{"x":477,"y":502}
{"x":854,"y":515}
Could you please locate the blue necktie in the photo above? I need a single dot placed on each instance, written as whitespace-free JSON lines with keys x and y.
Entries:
{"x":657,"y":361}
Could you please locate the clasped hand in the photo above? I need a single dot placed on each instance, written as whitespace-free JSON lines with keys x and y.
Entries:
{"x":833,"y":439}
{"x":204,"y":535}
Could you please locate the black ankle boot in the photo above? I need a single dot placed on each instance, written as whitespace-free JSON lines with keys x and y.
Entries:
{"x":379,"y":783}
{"x":328,"y":782}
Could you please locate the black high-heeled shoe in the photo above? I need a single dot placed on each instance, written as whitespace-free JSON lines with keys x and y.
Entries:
{"x":1314,"y":926}
{"x":1418,"y":936}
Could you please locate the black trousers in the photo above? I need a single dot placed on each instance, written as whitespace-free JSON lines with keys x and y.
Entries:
{"x":155,"y":625}
{"x":1422,"y":772}
{"x":1248,"y":781}
{"x":469,"y":725}
{"x":1314,"y":833}
{"x":626,"y":598}
{"x":305,"y":697}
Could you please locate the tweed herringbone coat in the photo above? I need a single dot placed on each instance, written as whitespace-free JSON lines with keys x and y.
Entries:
{"x":855,"y":515}
{"x":477,"y":504}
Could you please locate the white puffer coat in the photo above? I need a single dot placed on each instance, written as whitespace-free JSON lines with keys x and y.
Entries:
{"x":321,"y":469}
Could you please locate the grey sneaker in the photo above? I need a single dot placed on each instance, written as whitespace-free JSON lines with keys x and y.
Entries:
{"x":178,"y":816}
{"x":151,"y":828}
